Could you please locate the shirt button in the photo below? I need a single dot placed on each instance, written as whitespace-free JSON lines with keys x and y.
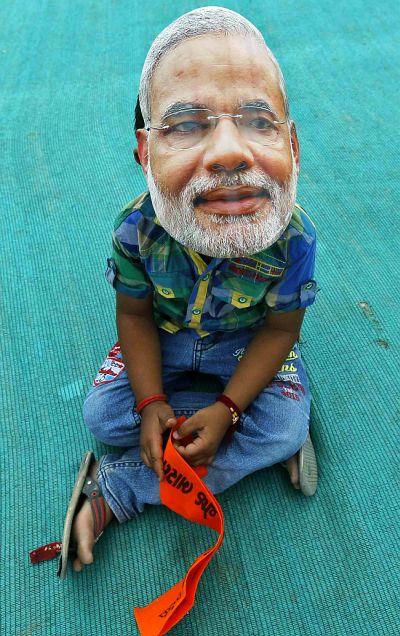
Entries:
{"x":165,"y":291}
{"x":196,"y":311}
{"x":242,"y":299}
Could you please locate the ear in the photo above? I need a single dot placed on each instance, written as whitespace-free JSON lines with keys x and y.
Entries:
{"x":143,"y":148}
{"x":295,"y":145}
{"x":136,"y":156}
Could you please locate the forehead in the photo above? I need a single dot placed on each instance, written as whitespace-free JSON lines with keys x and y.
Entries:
{"x":217,"y":71}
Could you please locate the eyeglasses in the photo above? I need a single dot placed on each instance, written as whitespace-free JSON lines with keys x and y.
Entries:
{"x":189,"y":128}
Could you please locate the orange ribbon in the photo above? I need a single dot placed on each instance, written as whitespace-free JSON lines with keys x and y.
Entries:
{"x":183,"y":491}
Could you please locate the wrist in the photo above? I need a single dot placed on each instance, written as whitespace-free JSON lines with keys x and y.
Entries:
{"x":223,"y":415}
{"x":149,"y":400}
{"x":232,"y":408}
{"x":234,"y":415}
{"x":151,"y":408}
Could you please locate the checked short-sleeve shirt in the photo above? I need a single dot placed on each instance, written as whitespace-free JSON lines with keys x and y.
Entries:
{"x":224,"y":294}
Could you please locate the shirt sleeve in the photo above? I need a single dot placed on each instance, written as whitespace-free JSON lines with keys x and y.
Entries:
{"x":297,"y":287}
{"x":125,"y":270}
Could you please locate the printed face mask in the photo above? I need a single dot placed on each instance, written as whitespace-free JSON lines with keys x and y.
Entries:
{"x":227,"y":235}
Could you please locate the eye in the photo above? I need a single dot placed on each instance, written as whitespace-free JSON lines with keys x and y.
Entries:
{"x":261,"y":123}
{"x":186,"y":127}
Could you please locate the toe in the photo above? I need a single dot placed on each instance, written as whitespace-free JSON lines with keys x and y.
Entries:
{"x":85,"y":541}
{"x":83,"y":535}
{"x":292,"y":467}
{"x":84,"y":551}
{"x":294,"y":477}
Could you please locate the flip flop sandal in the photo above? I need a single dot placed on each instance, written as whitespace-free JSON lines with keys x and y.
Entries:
{"x":84,"y":486}
{"x":308,"y":470}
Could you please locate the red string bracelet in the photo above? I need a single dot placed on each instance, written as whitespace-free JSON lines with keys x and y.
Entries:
{"x":159,"y":397}
{"x":233,"y":408}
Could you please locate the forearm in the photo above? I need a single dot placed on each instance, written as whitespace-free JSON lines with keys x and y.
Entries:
{"x":264,"y":356}
{"x":141,"y":351}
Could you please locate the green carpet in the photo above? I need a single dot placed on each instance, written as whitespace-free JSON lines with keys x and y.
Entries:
{"x":289,"y":566}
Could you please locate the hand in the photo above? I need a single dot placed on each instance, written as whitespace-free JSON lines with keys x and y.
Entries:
{"x":157,"y":417}
{"x":210,"y":424}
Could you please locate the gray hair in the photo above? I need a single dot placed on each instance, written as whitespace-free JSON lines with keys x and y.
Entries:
{"x":199,"y":22}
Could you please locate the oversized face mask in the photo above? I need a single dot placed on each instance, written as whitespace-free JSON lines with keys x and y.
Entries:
{"x":221,"y":158}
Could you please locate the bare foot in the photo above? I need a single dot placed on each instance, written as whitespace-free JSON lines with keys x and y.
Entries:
{"x":292,"y":466}
{"x":82,"y":530}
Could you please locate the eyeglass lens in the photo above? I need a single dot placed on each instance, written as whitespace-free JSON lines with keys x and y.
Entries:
{"x":189,"y":128}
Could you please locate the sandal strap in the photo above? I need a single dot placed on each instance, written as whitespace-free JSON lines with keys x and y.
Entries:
{"x":45,"y":552}
{"x":92,"y":491}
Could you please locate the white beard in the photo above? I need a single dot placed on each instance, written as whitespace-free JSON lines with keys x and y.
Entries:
{"x":225,"y":236}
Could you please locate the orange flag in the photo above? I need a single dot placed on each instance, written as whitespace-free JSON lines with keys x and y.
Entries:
{"x":183,"y":491}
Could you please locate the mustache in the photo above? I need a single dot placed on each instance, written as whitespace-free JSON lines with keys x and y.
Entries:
{"x":199,"y":186}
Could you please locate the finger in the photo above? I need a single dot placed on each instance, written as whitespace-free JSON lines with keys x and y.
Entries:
{"x":202,"y":460}
{"x":156,"y":465}
{"x":193,"y":450}
{"x":192,"y":460}
{"x":145,"y":458}
{"x":151,"y":462}
{"x":170,"y":422}
{"x":190,"y":426}
{"x":198,"y":461}
{"x":196,"y":445}
{"x":156,"y":456}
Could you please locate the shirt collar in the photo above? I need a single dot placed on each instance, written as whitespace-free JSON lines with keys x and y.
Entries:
{"x":147,"y":209}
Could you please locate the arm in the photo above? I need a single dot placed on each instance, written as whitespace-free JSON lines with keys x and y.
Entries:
{"x":289,"y":297}
{"x":264,"y":356}
{"x":141,"y":353}
{"x":140,"y":345}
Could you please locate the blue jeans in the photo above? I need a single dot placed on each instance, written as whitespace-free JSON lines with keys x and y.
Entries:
{"x":271,"y":429}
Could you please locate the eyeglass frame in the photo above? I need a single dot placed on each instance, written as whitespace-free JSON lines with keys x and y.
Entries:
{"x":231,"y":115}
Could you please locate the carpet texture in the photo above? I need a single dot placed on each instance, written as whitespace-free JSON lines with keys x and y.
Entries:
{"x":290,"y":566}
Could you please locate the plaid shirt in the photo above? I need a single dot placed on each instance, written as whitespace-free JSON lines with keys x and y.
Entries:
{"x":222,"y":295}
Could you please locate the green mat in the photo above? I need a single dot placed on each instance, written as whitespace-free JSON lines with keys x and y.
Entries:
{"x":289,"y":566}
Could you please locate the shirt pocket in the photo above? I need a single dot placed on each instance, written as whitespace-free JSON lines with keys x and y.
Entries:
{"x":235,"y":299}
{"x":238,"y":292}
{"x":245,"y":281}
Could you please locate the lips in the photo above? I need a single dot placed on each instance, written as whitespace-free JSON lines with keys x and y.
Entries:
{"x":242,"y":200}
{"x":231,"y":194}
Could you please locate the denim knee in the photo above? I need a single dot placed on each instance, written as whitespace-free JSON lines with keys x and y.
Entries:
{"x":291,"y":440}
{"x":110,"y":422}
{"x":280,"y":427}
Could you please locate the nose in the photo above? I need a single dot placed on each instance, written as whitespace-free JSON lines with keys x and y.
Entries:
{"x":226,"y":149}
